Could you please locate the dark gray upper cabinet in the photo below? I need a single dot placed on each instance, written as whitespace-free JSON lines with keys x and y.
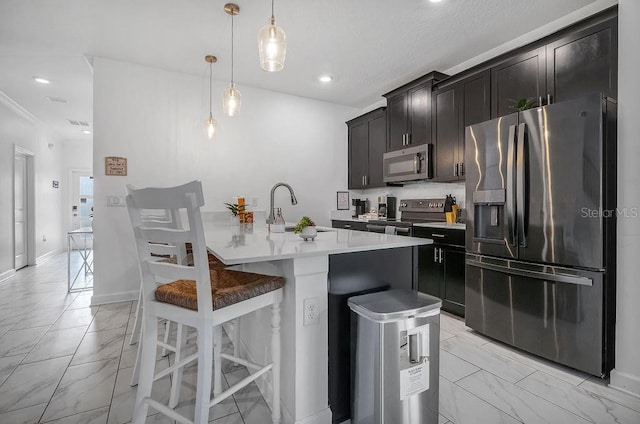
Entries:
{"x":409,"y":112}
{"x":584,"y":62}
{"x":575,"y":62}
{"x":456,"y":105}
{"x":521,"y":77}
{"x":367,"y":144}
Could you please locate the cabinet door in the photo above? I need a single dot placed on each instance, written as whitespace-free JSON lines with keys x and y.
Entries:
{"x":358,"y":153}
{"x":584,"y":63}
{"x":474,"y":108}
{"x":522,"y":77}
{"x":453,"y":286}
{"x":396,"y":121}
{"x":446,"y":136}
{"x":419,"y":111}
{"x":430,"y":271}
{"x":377,"y":148}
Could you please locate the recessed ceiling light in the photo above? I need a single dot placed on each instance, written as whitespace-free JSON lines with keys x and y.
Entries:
{"x":435,"y":1}
{"x":326,"y":78}
{"x":42,"y":80}
{"x":86,"y":131}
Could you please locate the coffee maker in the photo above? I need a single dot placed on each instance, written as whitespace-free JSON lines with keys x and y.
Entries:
{"x":361,"y":206}
{"x":387,"y":207}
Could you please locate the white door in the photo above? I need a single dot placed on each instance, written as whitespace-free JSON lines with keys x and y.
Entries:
{"x":21,"y":205}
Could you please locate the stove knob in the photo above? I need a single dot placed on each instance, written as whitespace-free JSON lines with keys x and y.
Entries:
{"x":430,"y":204}
{"x":441,"y":204}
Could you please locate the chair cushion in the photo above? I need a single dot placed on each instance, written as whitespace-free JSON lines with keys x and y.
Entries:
{"x":227,"y":287}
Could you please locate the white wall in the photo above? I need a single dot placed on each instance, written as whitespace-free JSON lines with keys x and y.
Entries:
{"x":18,"y":127}
{"x":626,"y":375}
{"x":155,"y":119}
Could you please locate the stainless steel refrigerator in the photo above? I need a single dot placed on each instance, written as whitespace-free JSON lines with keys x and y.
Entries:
{"x":540,"y":239}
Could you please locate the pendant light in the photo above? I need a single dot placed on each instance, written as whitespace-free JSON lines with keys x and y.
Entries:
{"x":232,"y":98}
{"x":272,"y":45}
{"x":211,"y":123}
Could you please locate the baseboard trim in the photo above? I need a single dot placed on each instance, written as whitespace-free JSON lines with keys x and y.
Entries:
{"x":114,"y":298}
{"x":624,"y":382}
{"x":43,"y":258}
{"x":7,"y":274}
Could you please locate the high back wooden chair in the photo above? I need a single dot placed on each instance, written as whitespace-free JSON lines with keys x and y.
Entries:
{"x":197,"y":297}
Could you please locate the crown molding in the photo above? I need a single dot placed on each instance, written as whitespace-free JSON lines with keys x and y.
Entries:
{"x":18,"y":110}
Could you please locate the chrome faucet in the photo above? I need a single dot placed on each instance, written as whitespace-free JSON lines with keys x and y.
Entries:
{"x":294,"y":201}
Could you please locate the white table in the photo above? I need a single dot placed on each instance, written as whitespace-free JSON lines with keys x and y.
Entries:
{"x":304,"y":391}
{"x":78,"y":239}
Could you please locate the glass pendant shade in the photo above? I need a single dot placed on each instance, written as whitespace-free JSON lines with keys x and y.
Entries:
{"x":272,"y":45}
{"x":232,"y":100}
{"x":212,"y":127}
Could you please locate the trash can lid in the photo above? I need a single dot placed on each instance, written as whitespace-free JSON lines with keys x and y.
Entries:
{"x":394,"y":305}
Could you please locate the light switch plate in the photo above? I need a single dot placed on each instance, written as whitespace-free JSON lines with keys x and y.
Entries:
{"x":114,"y":201}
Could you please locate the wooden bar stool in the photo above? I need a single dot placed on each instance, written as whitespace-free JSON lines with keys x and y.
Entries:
{"x":196,"y":297}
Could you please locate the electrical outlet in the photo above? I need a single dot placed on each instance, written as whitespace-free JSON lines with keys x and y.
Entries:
{"x":311,"y":312}
{"x":254,"y":202}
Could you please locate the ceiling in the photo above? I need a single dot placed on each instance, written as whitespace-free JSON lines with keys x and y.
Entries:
{"x":368,"y":46}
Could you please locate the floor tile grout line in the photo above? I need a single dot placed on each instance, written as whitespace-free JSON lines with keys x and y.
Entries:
{"x":550,"y":401}
{"x":482,"y":400}
{"x":591,"y":392}
{"x":64,"y":373}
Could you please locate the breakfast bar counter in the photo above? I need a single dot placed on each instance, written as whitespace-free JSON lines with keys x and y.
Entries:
{"x":305,"y":266}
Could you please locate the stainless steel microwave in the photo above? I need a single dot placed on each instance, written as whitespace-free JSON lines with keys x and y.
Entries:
{"x":410,"y":164}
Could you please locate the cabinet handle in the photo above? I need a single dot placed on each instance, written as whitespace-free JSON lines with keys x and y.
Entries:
{"x":366,"y":180}
{"x":347,"y":226}
{"x":455,"y":170}
{"x":437,"y":235}
{"x":461,"y":168}
{"x":440,"y":255}
{"x":549,"y":98}
{"x":435,"y":255}
{"x":408,"y":139}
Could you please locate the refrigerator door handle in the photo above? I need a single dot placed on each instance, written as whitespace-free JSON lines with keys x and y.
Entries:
{"x":511,"y":187}
{"x":521,"y":186}
{"x":559,"y":278}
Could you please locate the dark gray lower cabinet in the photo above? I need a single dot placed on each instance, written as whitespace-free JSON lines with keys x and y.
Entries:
{"x":441,"y":267}
{"x":349,"y":225}
{"x":441,"y":274}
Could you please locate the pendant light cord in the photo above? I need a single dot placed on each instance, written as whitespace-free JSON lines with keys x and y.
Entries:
{"x":272,"y":15}
{"x":210,"y":78}
{"x":232,"y":49}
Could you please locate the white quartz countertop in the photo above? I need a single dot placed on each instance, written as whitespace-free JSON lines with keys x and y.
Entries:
{"x":455,"y":226}
{"x":254,"y":243}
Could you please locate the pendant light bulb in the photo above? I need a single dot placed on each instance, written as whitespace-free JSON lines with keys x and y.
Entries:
{"x":231,"y":99}
{"x":210,"y":123}
{"x":272,"y":45}
{"x":212,"y":127}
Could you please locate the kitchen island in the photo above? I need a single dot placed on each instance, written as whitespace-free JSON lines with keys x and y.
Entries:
{"x":305,"y":265}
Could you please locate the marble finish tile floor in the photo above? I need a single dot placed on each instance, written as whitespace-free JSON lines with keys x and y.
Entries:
{"x":64,"y":361}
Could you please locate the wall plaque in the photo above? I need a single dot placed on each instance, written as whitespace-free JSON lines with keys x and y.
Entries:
{"x":114,"y":165}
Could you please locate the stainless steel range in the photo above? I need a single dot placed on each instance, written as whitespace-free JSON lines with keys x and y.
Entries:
{"x":413,"y":211}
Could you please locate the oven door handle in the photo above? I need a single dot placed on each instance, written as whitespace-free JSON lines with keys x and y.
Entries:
{"x":406,"y":231}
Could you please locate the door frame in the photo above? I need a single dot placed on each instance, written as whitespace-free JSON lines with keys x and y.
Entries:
{"x":31,"y":204}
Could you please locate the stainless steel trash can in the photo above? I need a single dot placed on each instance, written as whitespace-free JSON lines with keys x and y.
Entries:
{"x":396,"y":358}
